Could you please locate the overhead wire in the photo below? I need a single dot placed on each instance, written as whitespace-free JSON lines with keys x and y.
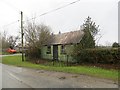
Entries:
{"x":16,"y":9}
{"x":12,"y":6}
{"x":45,"y":12}
{"x":11,"y":23}
{"x":55,"y":10}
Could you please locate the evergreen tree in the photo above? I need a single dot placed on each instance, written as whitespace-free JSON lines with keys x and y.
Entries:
{"x":115,"y":44}
{"x":88,"y":40}
{"x":90,"y":31}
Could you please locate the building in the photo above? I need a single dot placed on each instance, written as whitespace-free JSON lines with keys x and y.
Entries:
{"x":61,"y":45}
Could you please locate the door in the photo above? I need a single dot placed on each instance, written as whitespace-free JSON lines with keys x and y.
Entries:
{"x":55,"y":52}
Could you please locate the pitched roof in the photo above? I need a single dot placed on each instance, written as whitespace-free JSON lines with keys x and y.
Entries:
{"x":67,"y":38}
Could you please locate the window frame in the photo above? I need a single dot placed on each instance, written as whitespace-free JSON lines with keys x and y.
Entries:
{"x":63,"y":49}
{"x":48,"y":50}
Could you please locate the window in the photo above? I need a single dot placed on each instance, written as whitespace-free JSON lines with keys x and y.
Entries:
{"x":48,"y":49}
{"x":63,"y":49}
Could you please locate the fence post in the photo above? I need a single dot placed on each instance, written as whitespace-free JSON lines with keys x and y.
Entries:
{"x":53,"y":62}
{"x":67,"y":60}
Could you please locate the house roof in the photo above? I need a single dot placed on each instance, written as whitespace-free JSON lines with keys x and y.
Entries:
{"x":67,"y":38}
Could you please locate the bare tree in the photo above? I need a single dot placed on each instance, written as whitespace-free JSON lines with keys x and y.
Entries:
{"x":12,"y":40}
{"x":0,"y":40}
{"x":4,"y":40}
{"x":8,"y":41}
{"x":36,"y":35}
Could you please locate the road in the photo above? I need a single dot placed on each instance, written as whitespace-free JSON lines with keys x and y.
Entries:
{"x":0,"y":76}
{"x":18,"y":77}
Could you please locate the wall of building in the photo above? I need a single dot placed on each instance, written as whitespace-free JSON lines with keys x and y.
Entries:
{"x":68,"y":51}
{"x":44,"y":54}
{"x":61,"y":56}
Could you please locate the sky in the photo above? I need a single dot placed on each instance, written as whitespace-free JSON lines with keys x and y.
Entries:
{"x":103,"y":12}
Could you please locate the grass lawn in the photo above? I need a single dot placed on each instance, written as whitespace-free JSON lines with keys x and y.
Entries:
{"x":4,"y":53}
{"x":92,"y":71}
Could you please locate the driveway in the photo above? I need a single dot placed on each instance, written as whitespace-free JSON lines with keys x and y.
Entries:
{"x":18,"y":77}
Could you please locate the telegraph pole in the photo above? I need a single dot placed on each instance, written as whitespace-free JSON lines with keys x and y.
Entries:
{"x":22,"y":34}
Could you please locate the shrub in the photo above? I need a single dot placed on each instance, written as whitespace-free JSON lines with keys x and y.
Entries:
{"x":33,"y":53}
{"x":94,"y":56}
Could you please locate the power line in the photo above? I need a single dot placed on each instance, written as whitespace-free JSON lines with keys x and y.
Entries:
{"x":12,"y":6}
{"x":11,"y":23}
{"x":54,"y":10}
{"x":45,"y":13}
{"x":15,"y":8}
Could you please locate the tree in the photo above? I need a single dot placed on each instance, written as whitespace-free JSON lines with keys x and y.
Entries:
{"x":8,"y":41}
{"x":36,"y":35}
{"x":12,"y":40}
{"x":115,"y":44}
{"x":90,"y":26}
{"x":0,"y":40}
{"x":90,"y":30}
{"x":88,"y":40}
{"x":5,"y":43}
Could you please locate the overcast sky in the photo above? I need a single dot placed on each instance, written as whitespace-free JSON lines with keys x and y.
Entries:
{"x":70,"y":18}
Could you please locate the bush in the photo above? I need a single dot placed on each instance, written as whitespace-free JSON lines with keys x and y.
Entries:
{"x":94,"y":56}
{"x":32,"y":53}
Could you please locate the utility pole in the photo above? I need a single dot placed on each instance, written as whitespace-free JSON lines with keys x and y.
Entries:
{"x":22,"y":34}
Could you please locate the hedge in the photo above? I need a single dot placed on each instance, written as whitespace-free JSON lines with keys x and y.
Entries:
{"x":94,"y":56}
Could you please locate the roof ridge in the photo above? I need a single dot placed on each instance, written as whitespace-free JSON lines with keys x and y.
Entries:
{"x":67,"y":37}
{"x":69,"y":32}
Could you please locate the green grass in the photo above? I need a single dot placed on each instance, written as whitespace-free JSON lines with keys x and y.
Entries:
{"x":92,"y":71}
{"x":4,"y":53}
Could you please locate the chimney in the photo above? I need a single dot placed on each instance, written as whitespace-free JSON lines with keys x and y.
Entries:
{"x":52,"y":33}
{"x":59,"y":32}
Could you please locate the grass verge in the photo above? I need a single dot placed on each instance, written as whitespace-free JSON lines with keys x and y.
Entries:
{"x":92,"y":71}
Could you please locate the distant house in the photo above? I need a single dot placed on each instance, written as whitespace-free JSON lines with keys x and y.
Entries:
{"x":60,"y":45}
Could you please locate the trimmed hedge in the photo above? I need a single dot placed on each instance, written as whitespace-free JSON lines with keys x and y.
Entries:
{"x":94,"y":56}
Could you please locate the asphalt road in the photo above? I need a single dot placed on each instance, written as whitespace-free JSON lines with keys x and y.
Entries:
{"x":18,"y":77}
{"x":0,"y":76}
